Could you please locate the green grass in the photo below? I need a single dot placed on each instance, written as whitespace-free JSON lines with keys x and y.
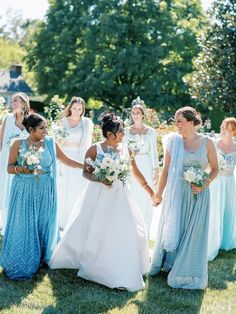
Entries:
{"x":60,"y":291}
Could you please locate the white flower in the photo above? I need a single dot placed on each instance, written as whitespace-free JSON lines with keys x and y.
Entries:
{"x":40,"y":150}
{"x":31,"y":160}
{"x":190,"y":175}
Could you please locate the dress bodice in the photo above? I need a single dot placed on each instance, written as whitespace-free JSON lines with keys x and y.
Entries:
{"x":74,"y":133}
{"x":45,"y":157}
{"x":227,"y":162}
{"x":11,"y":130}
{"x":199,"y":158}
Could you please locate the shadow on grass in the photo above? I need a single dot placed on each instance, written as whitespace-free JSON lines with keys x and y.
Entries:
{"x":222,"y":270}
{"x":76,"y":295}
{"x":160,"y":298}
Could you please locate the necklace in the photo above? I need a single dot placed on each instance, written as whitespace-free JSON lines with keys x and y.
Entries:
{"x":37,"y":143}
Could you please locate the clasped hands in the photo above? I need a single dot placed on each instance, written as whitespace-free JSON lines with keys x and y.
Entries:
{"x":156,"y":200}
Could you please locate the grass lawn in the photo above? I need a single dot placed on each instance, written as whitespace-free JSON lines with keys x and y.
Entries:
{"x":60,"y":291}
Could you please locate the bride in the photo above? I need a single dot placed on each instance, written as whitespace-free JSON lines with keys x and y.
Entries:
{"x":107,"y":241}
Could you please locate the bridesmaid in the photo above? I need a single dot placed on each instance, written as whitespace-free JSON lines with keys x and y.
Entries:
{"x":181,"y":244}
{"x":222,"y":229}
{"x":12,"y":128}
{"x":75,"y":145}
{"x":142,"y":140}
{"x":32,"y":228}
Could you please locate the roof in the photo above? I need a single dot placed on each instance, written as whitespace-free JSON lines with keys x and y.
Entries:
{"x":9,"y":82}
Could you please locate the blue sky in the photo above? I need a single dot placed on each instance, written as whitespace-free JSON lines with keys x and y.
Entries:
{"x":38,"y":8}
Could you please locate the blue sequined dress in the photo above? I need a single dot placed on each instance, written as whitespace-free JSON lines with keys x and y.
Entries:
{"x":32,"y":228}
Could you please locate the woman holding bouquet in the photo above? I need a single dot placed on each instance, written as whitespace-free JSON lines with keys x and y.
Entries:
{"x":222,"y":229}
{"x":32,"y":228}
{"x":142,"y":140}
{"x":12,"y":128}
{"x":78,"y":139}
{"x":181,"y":242}
{"x":107,"y":241}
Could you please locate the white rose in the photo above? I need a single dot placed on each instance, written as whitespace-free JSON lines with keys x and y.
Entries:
{"x":189,"y":175}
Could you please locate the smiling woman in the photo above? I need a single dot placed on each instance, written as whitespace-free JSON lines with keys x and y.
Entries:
{"x":32,"y":228}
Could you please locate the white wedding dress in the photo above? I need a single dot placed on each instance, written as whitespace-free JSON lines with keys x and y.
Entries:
{"x":107,"y":241}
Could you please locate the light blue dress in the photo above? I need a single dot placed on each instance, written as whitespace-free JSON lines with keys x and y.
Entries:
{"x":11,"y":131}
{"x":188,"y":263}
{"x":222,"y":228}
{"x":32,"y":228}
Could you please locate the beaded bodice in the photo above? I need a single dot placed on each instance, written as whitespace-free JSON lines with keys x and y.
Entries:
{"x":227,"y":162}
{"x":199,"y":158}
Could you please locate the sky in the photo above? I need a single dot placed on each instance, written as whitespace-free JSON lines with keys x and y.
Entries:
{"x":36,"y":9}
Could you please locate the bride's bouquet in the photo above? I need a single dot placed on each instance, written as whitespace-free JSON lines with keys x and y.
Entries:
{"x":196,"y":176}
{"x":110,"y":166}
{"x":136,"y":142}
{"x":30,"y":158}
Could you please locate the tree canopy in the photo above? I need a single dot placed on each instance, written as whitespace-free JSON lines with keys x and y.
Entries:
{"x":114,"y":50}
{"x":213,"y":83}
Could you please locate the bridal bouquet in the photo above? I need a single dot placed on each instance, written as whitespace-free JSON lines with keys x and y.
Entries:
{"x":136,"y":142}
{"x":109,"y":167}
{"x":30,"y":158}
{"x":196,"y":176}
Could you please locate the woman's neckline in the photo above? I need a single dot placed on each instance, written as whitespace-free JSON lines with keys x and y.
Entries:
{"x":145,"y":129}
{"x":219,"y":148}
{"x":18,"y":126}
{"x":72,"y":127}
{"x":195,"y":151}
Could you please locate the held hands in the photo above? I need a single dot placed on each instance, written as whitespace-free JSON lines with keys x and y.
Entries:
{"x":23,"y":169}
{"x":156,"y":200}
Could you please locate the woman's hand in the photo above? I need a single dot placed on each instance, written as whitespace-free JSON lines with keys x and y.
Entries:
{"x":197,"y":189}
{"x":24,"y":169}
{"x":157,"y":200}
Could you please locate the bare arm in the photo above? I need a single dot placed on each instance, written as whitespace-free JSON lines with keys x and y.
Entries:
{"x":87,"y":169}
{"x":140,"y":178}
{"x":12,"y":167}
{"x":163,"y":178}
{"x":66,"y":160}
{"x":2,"y":132}
{"x":213,"y":162}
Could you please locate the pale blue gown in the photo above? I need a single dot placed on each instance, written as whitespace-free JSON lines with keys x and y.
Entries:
{"x":222,"y":228}
{"x":188,"y":263}
{"x":11,"y":131}
{"x":32,"y":229}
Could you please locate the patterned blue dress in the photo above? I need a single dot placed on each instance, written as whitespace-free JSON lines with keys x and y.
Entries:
{"x":32,"y":228}
{"x":222,"y":228}
{"x":188,"y":263}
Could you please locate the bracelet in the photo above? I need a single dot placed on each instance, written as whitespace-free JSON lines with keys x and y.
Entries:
{"x":16,"y":171}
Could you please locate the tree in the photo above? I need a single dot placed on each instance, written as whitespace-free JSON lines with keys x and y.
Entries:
{"x":213,"y":83}
{"x":114,"y":50}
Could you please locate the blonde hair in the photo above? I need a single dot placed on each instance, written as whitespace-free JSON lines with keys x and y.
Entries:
{"x":25,"y":99}
{"x":74,"y":99}
{"x":232,"y":122}
{"x":190,"y":114}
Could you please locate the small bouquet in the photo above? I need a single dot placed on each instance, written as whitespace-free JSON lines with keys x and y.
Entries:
{"x":59,"y":132}
{"x":30,"y":158}
{"x":136,"y":142}
{"x":196,"y":176}
{"x":109,"y":167}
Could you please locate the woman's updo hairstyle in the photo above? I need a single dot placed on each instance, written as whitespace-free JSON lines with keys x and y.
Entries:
{"x":74,"y":99}
{"x":110,"y":123}
{"x":190,"y":114}
{"x":33,"y":121}
{"x":231,"y":122}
